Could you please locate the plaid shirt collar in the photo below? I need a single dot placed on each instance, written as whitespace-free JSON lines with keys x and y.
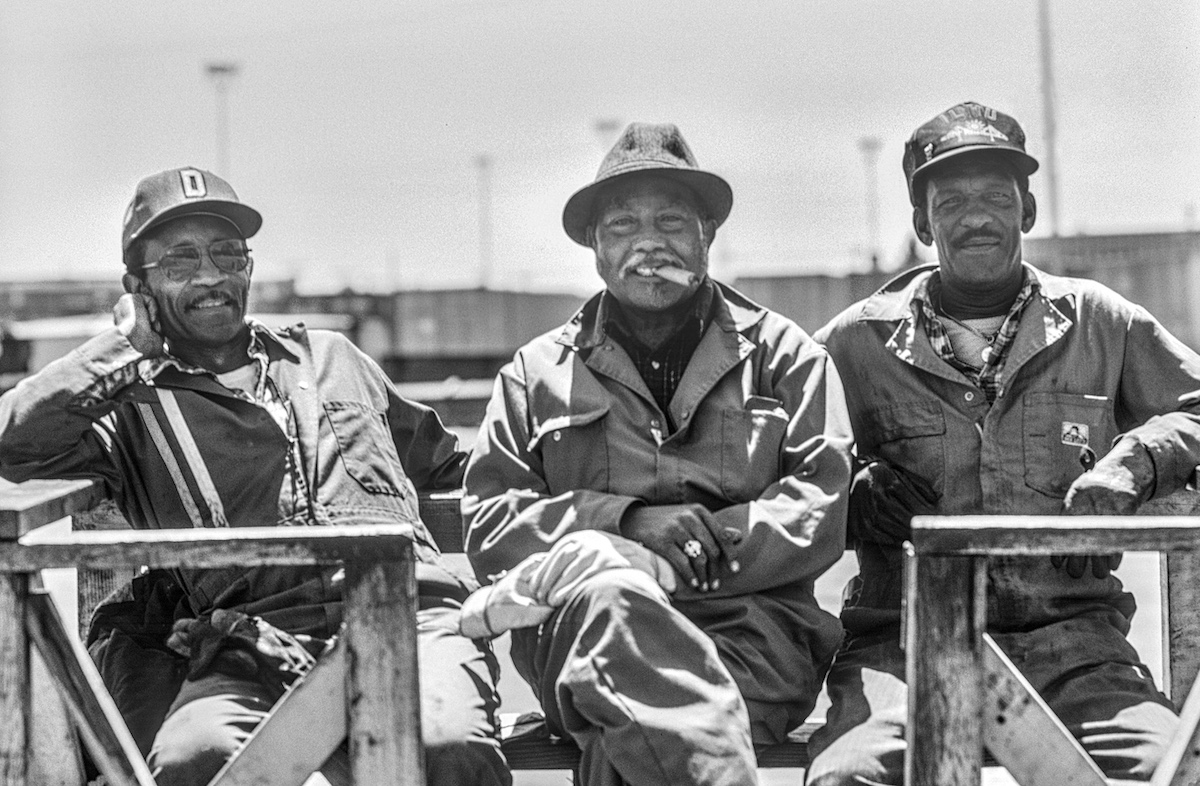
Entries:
{"x":988,"y":377}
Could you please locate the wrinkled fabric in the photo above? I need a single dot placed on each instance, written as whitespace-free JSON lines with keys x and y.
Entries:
{"x":1085,"y":361}
{"x":1085,"y":368}
{"x":572,"y":438}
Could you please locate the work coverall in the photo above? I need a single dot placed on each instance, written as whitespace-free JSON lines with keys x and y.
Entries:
{"x":658,"y":689}
{"x":1086,"y":366}
{"x":176,"y":448}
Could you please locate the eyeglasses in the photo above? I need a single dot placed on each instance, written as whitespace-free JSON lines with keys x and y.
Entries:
{"x":181,"y":262}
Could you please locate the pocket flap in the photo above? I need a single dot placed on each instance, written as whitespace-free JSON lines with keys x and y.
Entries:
{"x":911,"y":419}
{"x":572,"y":420}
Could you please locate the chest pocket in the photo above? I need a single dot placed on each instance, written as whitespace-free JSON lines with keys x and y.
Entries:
{"x":1056,"y":427}
{"x":751,"y":439}
{"x":910,"y":435}
{"x":365,"y":446}
{"x":574,"y":451}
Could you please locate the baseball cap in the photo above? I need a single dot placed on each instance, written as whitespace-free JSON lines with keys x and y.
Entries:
{"x":648,"y":147}
{"x":185,"y":191}
{"x":964,"y":128}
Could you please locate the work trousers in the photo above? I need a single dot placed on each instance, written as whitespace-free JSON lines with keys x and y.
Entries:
{"x":214,"y":714}
{"x":1083,"y":667}
{"x":639,"y":688}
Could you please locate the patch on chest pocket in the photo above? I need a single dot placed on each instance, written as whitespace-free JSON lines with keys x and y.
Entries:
{"x":1075,"y":434}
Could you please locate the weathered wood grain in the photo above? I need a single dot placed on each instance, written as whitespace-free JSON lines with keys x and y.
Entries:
{"x":946,"y":609}
{"x":1031,"y":535}
{"x":82,"y":689}
{"x":1024,"y":735}
{"x":14,"y":680}
{"x":382,"y":686}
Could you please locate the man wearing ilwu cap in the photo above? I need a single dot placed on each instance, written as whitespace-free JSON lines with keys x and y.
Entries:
{"x":982,"y":385}
{"x":655,"y":487}
{"x":194,"y":416}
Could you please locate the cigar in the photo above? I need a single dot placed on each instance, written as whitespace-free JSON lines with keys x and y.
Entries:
{"x":676,"y":276}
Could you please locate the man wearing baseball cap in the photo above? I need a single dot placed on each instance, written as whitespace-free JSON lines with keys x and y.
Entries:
{"x":195,"y":416}
{"x":654,"y":489}
{"x":982,"y":385}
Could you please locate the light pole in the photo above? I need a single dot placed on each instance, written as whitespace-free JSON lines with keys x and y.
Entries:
{"x":869,"y":147}
{"x":1048,"y":114}
{"x":222,"y":73}
{"x":483,"y":163}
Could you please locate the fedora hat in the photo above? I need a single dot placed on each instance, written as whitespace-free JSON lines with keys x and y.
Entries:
{"x":648,"y":147}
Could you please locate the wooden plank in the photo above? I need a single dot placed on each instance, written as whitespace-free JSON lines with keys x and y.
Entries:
{"x":1179,"y":577}
{"x":207,"y":548}
{"x":82,"y":689}
{"x":1031,"y":535}
{"x":55,"y":758}
{"x":382,"y":686}
{"x":1180,"y":764}
{"x":26,"y":506}
{"x":304,"y":728}
{"x":946,"y":618}
{"x":1024,"y":734}
{"x":14,"y":680}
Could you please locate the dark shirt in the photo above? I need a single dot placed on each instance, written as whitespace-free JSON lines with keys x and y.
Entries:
{"x":663,"y":367}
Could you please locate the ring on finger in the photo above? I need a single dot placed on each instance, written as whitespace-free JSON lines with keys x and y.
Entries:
{"x":693,"y":548}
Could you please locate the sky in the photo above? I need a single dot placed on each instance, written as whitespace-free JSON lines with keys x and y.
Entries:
{"x":356,"y":127}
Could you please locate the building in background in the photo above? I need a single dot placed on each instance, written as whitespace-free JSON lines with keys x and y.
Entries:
{"x":444,"y":347}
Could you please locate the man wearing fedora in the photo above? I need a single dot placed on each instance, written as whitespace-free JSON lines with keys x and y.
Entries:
{"x":982,"y":385}
{"x":663,"y":479}
{"x":193,"y":415}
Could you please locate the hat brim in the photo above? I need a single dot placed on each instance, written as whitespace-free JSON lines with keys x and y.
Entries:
{"x":1026,"y":164}
{"x":711,"y":189}
{"x":245,"y":218}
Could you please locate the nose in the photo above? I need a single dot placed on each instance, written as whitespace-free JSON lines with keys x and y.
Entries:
{"x":207,"y":270}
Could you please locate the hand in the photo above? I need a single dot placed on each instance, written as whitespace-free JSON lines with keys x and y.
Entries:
{"x":136,"y":316}
{"x":666,"y":529}
{"x":1077,"y":565}
{"x":883,"y":500}
{"x":580,"y":555}
{"x":1117,"y":486}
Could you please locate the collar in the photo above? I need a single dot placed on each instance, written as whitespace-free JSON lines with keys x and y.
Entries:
{"x":901,"y":297}
{"x":731,"y":311}
{"x":266,"y":346}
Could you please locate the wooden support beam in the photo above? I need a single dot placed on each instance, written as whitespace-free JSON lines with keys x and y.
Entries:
{"x":207,"y":548}
{"x":946,"y":617}
{"x":1180,"y":765}
{"x":1024,"y":734}
{"x":82,"y":689}
{"x":1179,"y":576}
{"x":26,"y":506}
{"x":14,"y":680}
{"x":382,"y":685}
{"x":1032,"y":535}
{"x":304,"y":728}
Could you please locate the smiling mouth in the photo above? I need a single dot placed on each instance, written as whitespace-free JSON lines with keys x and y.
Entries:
{"x":211,"y":301}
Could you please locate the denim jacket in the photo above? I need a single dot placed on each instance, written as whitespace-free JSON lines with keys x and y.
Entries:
{"x":353,"y":451}
{"x":1086,"y":367}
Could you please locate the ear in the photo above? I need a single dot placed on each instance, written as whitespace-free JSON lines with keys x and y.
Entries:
{"x":1028,"y":212}
{"x":709,"y":228}
{"x":920,"y":220}
{"x":134,"y":285}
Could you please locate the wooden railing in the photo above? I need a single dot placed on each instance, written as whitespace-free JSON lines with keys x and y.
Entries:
{"x":377,"y":654}
{"x":963,"y":692}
